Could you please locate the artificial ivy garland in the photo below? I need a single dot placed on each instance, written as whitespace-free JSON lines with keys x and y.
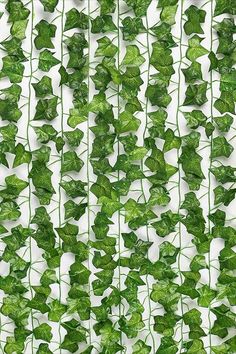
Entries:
{"x":117,"y":177}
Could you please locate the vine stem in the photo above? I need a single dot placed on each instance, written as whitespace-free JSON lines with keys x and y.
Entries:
{"x":61,"y":157}
{"x":178,"y":156}
{"x":88,"y":156}
{"x":118,"y":152}
{"x":142,"y":187}
{"x":29,"y":147}
{"x":209,"y":178}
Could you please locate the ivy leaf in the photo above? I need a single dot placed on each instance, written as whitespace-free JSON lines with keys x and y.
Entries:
{"x":193,"y":72}
{"x":43,"y":349}
{"x":171,"y":141}
{"x":56,"y":311}
{"x":99,"y":104}
{"x":46,"y":31}
{"x":224,"y":174}
{"x":76,"y":19}
{"x":158,"y":196}
{"x":196,"y":95}
{"x":195,"y":49}
{"x":79,"y":274}
{"x":107,"y":6}
{"x":74,"y":188}
{"x":17,"y":11}
{"x":74,"y":137}
{"x":21,"y":155}
{"x":221,"y":147}
{"x":47,"y":60}
{"x":13,"y":346}
{"x":165,"y":293}
{"x":132,"y":27}
{"x":126,"y":123}
{"x":9,"y":211}
{"x":14,"y":186}
{"x":141,"y":348}
{"x":167,"y":223}
{"x":45,"y":133}
{"x":223,"y":6}
{"x":43,"y":87}
{"x":224,"y":123}
{"x":133,"y":56}
{"x":132,"y":326}
{"x":158,"y":95}
{"x":161,"y":59}
{"x":105,"y":48}
{"x":73,"y":210}
{"x":46,"y":109}
{"x":223,"y":195}
{"x":191,"y":164}
{"x":103,"y":24}
{"x":12,"y":68}
{"x":43,"y":332}
{"x":18,"y":29}
{"x":206,"y":296}
{"x":71,"y":162}
{"x":77,"y":116}
{"x":225,"y":103}
{"x":49,"y":5}
{"x":140,"y":7}
{"x":195,"y":18}
{"x":195,"y":119}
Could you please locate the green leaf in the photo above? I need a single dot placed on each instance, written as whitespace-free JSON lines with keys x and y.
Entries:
{"x":193,"y":72}
{"x":49,"y":5}
{"x":195,"y":119}
{"x":77,"y":116}
{"x":206,"y":296}
{"x":223,"y":195}
{"x":21,"y":155}
{"x":126,"y":123}
{"x":107,"y":6}
{"x":9,"y":211}
{"x":43,"y":349}
{"x":47,"y":60}
{"x":225,"y":103}
{"x":76,"y":19}
{"x":18,"y":28}
{"x":133,"y":56}
{"x":195,"y":49}
{"x":105,"y":48}
{"x":43,"y":332}
{"x":14,"y":186}
{"x":140,"y":7}
{"x":224,"y":123}
{"x":43,"y":87}
{"x":45,"y":133}
{"x":12,"y":68}
{"x":195,"y":18}
{"x":102,"y":24}
{"x":221,"y":147}
{"x":46,"y":109}
{"x":132,"y":27}
{"x":74,"y":188}
{"x":46,"y":31}
{"x":158,"y":95}
{"x":56,"y":311}
{"x":171,"y":141}
{"x":141,"y":348}
{"x":196,"y":95}
{"x":224,"y":6}
{"x":73,"y":210}
{"x":132,"y":326}
{"x":71,"y":162}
